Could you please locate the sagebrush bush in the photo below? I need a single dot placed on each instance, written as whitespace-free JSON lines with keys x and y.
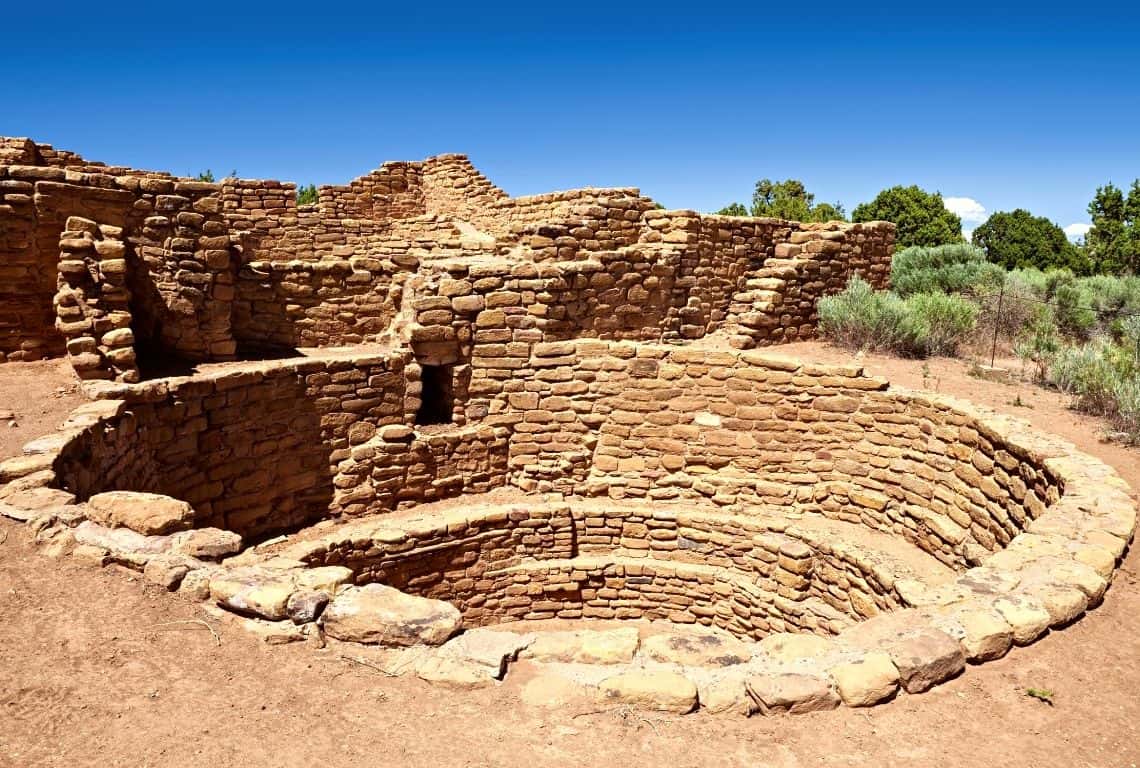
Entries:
{"x":861,"y":318}
{"x":1104,"y":379}
{"x":954,"y":268}
{"x":937,"y":323}
{"x":924,"y":324}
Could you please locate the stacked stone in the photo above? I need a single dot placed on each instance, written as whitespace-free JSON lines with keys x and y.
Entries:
{"x":252,"y":450}
{"x":25,"y":321}
{"x":185,"y":248}
{"x":453,"y":185}
{"x":393,"y":191}
{"x":400,"y":467}
{"x":92,"y":303}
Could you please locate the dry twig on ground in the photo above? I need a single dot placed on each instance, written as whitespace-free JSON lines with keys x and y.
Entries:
{"x":168,"y":626}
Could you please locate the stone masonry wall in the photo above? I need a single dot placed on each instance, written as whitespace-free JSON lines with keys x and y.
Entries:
{"x":211,"y":266}
{"x":636,"y":421}
{"x":253,"y":451}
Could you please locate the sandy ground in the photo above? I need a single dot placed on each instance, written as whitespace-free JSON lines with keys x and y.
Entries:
{"x":38,"y":396}
{"x":93,"y":672}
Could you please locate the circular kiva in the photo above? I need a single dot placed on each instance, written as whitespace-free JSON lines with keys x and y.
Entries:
{"x":657,"y":526}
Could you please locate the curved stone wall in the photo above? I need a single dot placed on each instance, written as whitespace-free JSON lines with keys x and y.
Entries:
{"x":736,"y":491}
{"x":253,"y":450}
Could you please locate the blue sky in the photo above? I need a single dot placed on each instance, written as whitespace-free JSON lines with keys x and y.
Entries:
{"x":1006,"y":105}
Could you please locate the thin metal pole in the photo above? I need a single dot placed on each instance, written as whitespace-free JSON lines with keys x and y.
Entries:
{"x":997,"y":322}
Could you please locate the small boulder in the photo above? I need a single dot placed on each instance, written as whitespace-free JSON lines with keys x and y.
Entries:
{"x":651,"y":689}
{"x":551,"y":690}
{"x":790,"y":692}
{"x":207,"y":543}
{"x":455,"y":672}
{"x":926,"y":658}
{"x":866,"y":681}
{"x":150,"y":514}
{"x":306,"y":605}
{"x":166,"y":571}
{"x":376,"y":614}
{"x":120,"y":541}
{"x":489,"y":648}
{"x":253,"y":592}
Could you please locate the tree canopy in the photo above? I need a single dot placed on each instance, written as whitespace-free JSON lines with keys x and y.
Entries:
{"x":733,"y":209}
{"x":1018,"y":239}
{"x":788,"y":199}
{"x":306,"y":195}
{"x":920,"y":216}
{"x":1114,"y":240}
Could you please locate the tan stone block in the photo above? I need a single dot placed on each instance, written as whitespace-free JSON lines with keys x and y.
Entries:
{"x":867,"y":681}
{"x":659,"y":691}
{"x":790,"y":692}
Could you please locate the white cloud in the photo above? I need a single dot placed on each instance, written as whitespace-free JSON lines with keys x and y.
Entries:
{"x":1077,"y":231}
{"x":967,"y":208}
{"x":967,"y":233}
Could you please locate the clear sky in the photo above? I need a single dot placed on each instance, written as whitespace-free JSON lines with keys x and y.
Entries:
{"x":1008,"y":105}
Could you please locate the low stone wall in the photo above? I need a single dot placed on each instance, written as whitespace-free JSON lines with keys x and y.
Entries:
{"x":253,"y":451}
{"x":401,"y":467}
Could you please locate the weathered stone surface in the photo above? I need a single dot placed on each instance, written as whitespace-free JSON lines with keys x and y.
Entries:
{"x":150,"y":514}
{"x":253,"y":591}
{"x":696,"y":649}
{"x":650,"y":689}
{"x":1026,"y":617}
{"x":306,"y":605}
{"x":328,"y":578}
{"x":196,"y":584}
{"x":866,"y":681}
{"x":726,"y":694}
{"x":120,"y":540}
{"x":380,"y":615}
{"x":788,"y":647}
{"x":926,"y":658}
{"x":790,"y":692}
{"x":455,"y":672}
{"x":207,"y":543}
{"x":488,"y":648}
{"x":274,"y":632}
{"x":165,"y":571}
{"x":608,"y":646}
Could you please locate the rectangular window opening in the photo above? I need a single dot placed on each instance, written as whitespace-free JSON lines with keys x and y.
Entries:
{"x":437,"y":399}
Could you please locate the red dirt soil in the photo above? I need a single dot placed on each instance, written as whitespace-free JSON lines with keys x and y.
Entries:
{"x":93,"y":672}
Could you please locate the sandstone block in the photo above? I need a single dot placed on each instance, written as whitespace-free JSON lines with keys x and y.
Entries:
{"x":150,"y":514}
{"x":610,"y":646}
{"x":926,"y":658}
{"x":654,"y":690}
{"x":867,"y":681}
{"x":790,"y":692}
{"x":698,"y":650}
{"x":379,"y":615}
{"x":208,"y":543}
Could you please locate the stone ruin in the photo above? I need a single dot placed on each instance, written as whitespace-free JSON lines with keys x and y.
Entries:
{"x":463,"y":429}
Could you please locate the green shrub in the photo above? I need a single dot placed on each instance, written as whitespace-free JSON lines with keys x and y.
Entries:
{"x":1028,"y":283}
{"x":954,"y":268}
{"x":860,"y":318}
{"x":1039,"y":344}
{"x":937,"y":323}
{"x":307,"y":195}
{"x":1072,"y":307}
{"x":1104,"y":379}
{"x":924,"y":324}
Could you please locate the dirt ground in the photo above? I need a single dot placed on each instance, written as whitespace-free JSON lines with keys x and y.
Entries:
{"x":93,"y":671}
